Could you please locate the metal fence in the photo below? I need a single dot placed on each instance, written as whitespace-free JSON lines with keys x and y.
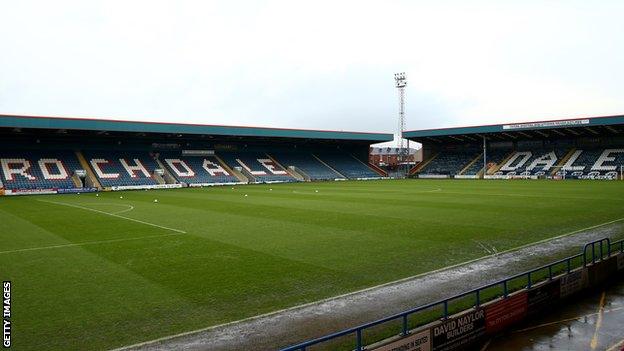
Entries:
{"x":592,"y":252}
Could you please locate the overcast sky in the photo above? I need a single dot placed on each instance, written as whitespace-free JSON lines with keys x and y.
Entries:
{"x":312,"y":64}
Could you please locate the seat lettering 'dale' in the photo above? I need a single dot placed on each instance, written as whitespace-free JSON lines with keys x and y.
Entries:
{"x":271,"y":166}
{"x":214,"y":169}
{"x":248,"y":169}
{"x":180,"y":168}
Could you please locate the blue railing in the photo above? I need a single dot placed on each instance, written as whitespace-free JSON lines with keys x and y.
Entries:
{"x":589,"y":248}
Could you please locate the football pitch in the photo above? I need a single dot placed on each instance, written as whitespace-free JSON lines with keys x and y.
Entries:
{"x":102,"y":272}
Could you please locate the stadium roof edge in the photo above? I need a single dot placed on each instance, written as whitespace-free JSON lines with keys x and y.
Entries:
{"x":81,"y":123}
{"x":518,"y":126}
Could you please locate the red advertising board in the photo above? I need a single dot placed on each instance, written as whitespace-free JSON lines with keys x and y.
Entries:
{"x":504,"y":313}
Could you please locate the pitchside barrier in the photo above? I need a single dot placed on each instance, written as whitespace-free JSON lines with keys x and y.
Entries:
{"x":493,"y":307}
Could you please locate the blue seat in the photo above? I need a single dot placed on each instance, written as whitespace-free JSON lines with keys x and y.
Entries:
{"x":347,"y":165}
{"x":308,"y":164}
{"x":450,"y":162}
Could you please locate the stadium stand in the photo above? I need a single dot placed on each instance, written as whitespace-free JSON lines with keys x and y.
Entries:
{"x":450,"y":162}
{"x":347,"y":165}
{"x":581,"y":164}
{"x":197,"y":169}
{"x":582,"y":148}
{"x":256,"y":166}
{"x":308,"y":164}
{"x":38,"y":169}
{"x":116,"y":155}
{"x":122,"y":168}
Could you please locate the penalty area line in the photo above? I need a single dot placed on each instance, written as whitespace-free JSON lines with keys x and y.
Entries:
{"x":85,"y":243}
{"x":402,"y":280}
{"x":114,"y":215}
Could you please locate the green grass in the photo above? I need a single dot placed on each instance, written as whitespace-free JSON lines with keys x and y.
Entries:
{"x":244,"y":256}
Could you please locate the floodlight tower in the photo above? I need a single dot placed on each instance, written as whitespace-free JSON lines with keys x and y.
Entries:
{"x":400,"y":83}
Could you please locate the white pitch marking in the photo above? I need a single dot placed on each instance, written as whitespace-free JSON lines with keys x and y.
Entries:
{"x":483,"y":246}
{"x":115,"y":215}
{"x":164,"y":338}
{"x":429,"y":191}
{"x":84,"y":243}
{"x":494,"y":249}
{"x":128,"y":209}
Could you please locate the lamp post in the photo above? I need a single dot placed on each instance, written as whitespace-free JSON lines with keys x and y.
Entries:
{"x":400,"y":83}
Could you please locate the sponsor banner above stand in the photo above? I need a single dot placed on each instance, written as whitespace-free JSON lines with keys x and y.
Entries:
{"x":543,"y":295}
{"x":573,"y":282}
{"x":499,"y":315}
{"x":549,"y":124}
{"x":198,"y":152}
{"x":458,"y":332}
{"x":418,"y":341}
{"x":141,"y":187}
{"x":620,"y":262}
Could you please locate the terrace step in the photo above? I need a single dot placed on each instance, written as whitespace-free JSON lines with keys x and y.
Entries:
{"x":480,"y":156}
{"x":90,"y":180}
{"x":498,"y":166}
{"x":328,"y":166}
{"x":563,"y":161}
{"x":167,"y":177}
{"x":290,"y":172}
{"x":236,"y":173}
{"x":421,"y":165}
